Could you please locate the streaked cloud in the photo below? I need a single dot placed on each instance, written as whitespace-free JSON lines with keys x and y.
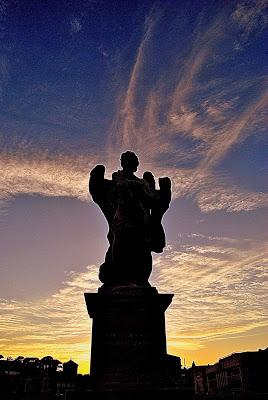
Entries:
{"x":220,"y":289}
{"x":235,"y":131}
{"x":64,"y":313}
{"x":63,"y":175}
{"x":250,"y":16}
{"x":230,"y":199}
{"x":60,"y":175}
{"x":196,"y":123}
{"x":183,"y":130}
{"x":126,"y":121}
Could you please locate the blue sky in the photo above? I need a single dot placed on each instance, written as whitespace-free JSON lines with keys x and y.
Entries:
{"x":185,"y":86}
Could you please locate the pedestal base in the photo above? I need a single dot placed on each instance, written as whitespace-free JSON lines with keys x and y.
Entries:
{"x":128,"y":348}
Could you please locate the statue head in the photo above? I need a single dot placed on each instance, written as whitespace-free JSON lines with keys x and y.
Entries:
{"x":129,"y":161}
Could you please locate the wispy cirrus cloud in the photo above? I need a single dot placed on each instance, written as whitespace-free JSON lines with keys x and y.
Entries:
{"x":250,"y":16}
{"x":211,"y":192}
{"x":184,"y":124}
{"x":24,"y":172}
{"x":150,"y":130}
{"x":212,"y":280}
{"x":233,"y":132}
{"x":67,"y":176}
{"x":196,"y":122}
{"x":230,"y":199}
{"x":124,"y":133}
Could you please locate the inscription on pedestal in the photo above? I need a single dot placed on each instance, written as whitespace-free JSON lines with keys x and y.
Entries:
{"x":128,"y":336}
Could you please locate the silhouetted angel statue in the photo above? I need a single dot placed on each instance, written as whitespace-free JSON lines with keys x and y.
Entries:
{"x":134,"y":210}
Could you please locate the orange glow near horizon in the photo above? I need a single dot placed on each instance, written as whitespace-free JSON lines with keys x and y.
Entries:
{"x":209,"y":353}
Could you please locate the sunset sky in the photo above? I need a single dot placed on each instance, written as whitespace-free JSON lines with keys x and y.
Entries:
{"x":185,"y":86}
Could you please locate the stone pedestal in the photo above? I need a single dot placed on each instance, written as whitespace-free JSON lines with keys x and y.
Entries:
{"x":128,"y":348}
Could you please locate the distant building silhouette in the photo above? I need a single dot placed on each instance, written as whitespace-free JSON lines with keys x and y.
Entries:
{"x":34,"y":377}
{"x":70,"y":369}
{"x":238,"y":373}
{"x":199,"y":379}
